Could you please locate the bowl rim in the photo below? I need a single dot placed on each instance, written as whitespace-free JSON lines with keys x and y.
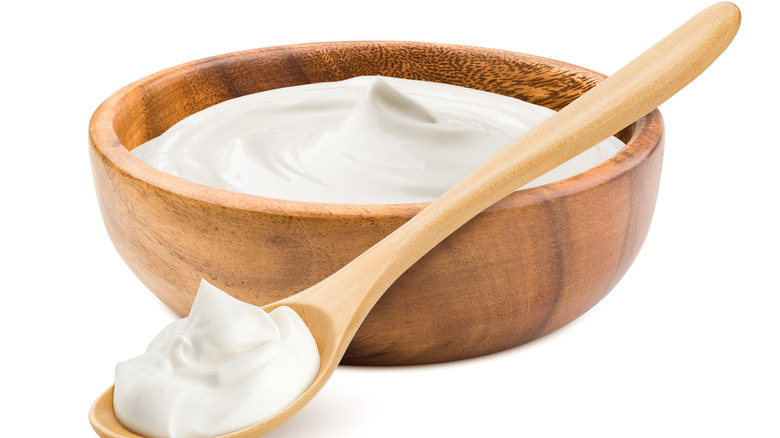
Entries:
{"x":105,"y":142}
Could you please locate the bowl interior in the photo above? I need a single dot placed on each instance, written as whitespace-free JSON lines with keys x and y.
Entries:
{"x":186,"y":89}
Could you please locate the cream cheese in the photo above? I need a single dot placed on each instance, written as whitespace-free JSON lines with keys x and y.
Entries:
{"x":366,"y":140}
{"x":226,"y":366}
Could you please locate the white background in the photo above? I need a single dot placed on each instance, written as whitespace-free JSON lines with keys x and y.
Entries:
{"x":686,"y":344}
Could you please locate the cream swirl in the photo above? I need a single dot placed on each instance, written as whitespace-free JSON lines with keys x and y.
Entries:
{"x":366,"y":140}
{"x":226,"y":366}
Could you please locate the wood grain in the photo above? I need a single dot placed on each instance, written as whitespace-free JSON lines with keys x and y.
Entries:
{"x":528,"y":265}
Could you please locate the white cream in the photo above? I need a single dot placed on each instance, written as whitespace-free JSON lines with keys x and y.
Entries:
{"x":366,"y":140}
{"x":226,"y":366}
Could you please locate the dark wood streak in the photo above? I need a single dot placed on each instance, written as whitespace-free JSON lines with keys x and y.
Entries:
{"x":643,"y":187}
{"x":558,"y":219}
{"x":484,"y":289}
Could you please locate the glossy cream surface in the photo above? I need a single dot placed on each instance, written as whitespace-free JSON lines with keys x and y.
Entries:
{"x":226,"y":366}
{"x":366,"y":140}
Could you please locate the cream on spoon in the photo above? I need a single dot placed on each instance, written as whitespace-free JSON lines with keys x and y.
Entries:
{"x":224,"y":367}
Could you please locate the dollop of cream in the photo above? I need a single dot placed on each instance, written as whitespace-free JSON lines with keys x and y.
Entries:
{"x":226,"y":366}
{"x":366,"y":140}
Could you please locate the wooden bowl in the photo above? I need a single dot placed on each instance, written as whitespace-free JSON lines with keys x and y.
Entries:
{"x":523,"y":268}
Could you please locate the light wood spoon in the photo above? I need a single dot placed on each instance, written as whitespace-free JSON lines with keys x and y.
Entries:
{"x":334,"y":308}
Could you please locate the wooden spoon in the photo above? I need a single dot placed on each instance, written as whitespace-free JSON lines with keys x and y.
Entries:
{"x":334,"y":308}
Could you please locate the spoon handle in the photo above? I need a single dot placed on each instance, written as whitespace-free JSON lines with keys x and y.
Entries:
{"x":613,"y":104}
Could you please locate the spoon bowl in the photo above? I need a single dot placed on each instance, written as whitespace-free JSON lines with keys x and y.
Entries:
{"x":334,"y":308}
{"x":332,"y":329}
